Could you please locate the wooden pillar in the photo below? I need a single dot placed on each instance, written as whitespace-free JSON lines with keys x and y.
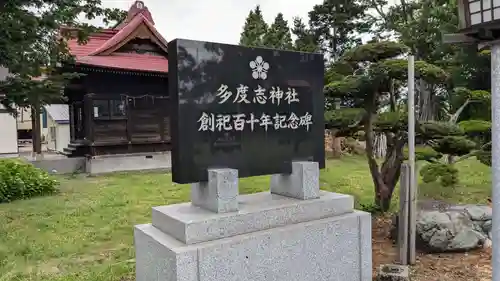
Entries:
{"x":36,"y":129}
{"x":71,"y":121}
{"x":161,"y":112}
{"x":130,"y":121}
{"x":88,"y":118}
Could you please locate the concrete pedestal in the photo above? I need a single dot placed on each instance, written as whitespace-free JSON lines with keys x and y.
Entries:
{"x":128,"y":162}
{"x":264,"y":237}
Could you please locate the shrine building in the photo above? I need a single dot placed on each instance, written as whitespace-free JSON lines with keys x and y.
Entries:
{"x":120,"y":105}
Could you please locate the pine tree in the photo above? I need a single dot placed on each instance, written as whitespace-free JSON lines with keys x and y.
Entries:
{"x":254,"y":29}
{"x":338,"y":25}
{"x":278,"y":36}
{"x":304,"y":37}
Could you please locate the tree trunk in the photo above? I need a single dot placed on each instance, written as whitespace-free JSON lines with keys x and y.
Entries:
{"x":333,"y":144}
{"x":383,"y":203}
{"x":33,"y":135}
{"x":393,"y":99}
{"x":380,"y":146}
{"x":36,"y":131}
{"x":391,"y":168}
{"x":386,"y":177}
{"x":425,"y":106}
{"x":381,"y":190}
{"x":455,"y":116}
{"x":336,"y":144}
{"x":450,"y":159}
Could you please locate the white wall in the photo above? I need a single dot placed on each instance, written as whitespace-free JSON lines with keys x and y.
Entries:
{"x":8,"y":134}
{"x":51,"y":142}
{"x":62,"y":137}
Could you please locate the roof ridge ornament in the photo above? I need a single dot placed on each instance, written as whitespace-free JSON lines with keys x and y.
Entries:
{"x":139,"y":5}
{"x":137,"y":8}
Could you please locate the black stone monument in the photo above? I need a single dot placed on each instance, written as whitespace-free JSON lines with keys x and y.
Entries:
{"x":251,"y":109}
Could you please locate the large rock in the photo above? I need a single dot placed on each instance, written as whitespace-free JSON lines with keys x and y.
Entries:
{"x":450,"y":228}
{"x":479,"y":213}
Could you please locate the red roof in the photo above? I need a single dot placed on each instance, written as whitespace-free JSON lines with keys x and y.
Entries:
{"x":96,"y":52}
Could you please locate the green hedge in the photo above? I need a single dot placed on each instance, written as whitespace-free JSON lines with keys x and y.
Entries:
{"x":21,"y":180}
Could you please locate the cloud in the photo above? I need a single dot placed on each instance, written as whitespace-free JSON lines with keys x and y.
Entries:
{"x":215,"y":20}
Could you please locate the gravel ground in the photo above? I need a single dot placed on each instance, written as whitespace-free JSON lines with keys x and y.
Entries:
{"x":471,"y":266}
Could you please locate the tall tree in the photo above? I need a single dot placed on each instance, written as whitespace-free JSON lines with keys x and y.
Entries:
{"x":420,"y":24}
{"x":338,"y":25}
{"x":305,"y":40}
{"x":278,"y":35}
{"x":32,"y":47}
{"x":254,"y":30}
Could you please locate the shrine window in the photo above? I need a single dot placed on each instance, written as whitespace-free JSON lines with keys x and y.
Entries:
{"x":109,"y":109}
{"x":101,"y":109}
{"x":117,"y":108}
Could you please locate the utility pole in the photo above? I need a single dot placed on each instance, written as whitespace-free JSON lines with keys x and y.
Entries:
{"x":495,"y":158}
{"x":412,"y":192}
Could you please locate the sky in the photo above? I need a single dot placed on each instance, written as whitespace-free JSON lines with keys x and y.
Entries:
{"x":213,"y":20}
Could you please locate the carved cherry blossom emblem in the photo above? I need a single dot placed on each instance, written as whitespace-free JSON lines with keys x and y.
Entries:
{"x":259,"y":68}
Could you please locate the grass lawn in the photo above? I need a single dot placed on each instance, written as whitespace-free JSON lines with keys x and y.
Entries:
{"x":85,"y":232}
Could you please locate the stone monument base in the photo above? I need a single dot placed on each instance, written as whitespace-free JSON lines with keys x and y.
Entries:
{"x":272,"y":237}
{"x":310,"y":235}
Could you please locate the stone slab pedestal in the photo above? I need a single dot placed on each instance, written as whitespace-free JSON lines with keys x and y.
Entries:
{"x":264,"y":237}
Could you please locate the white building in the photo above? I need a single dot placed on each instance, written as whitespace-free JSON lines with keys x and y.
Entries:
{"x":8,"y":134}
{"x":55,"y":127}
{"x":8,"y":128}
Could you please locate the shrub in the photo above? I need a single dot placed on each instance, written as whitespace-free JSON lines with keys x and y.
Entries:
{"x":424,"y":153}
{"x":477,"y":130}
{"x":475,"y":127}
{"x":371,"y":208}
{"x":454,"y":145}
{"x":484,"y":154}
{"x":391,"y":122}
{"x":20,"y":180}
{"x":448,"y":139}
{"x":344,"y":121}
{"x":446,"y":173}
{"x":434,"y":130}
